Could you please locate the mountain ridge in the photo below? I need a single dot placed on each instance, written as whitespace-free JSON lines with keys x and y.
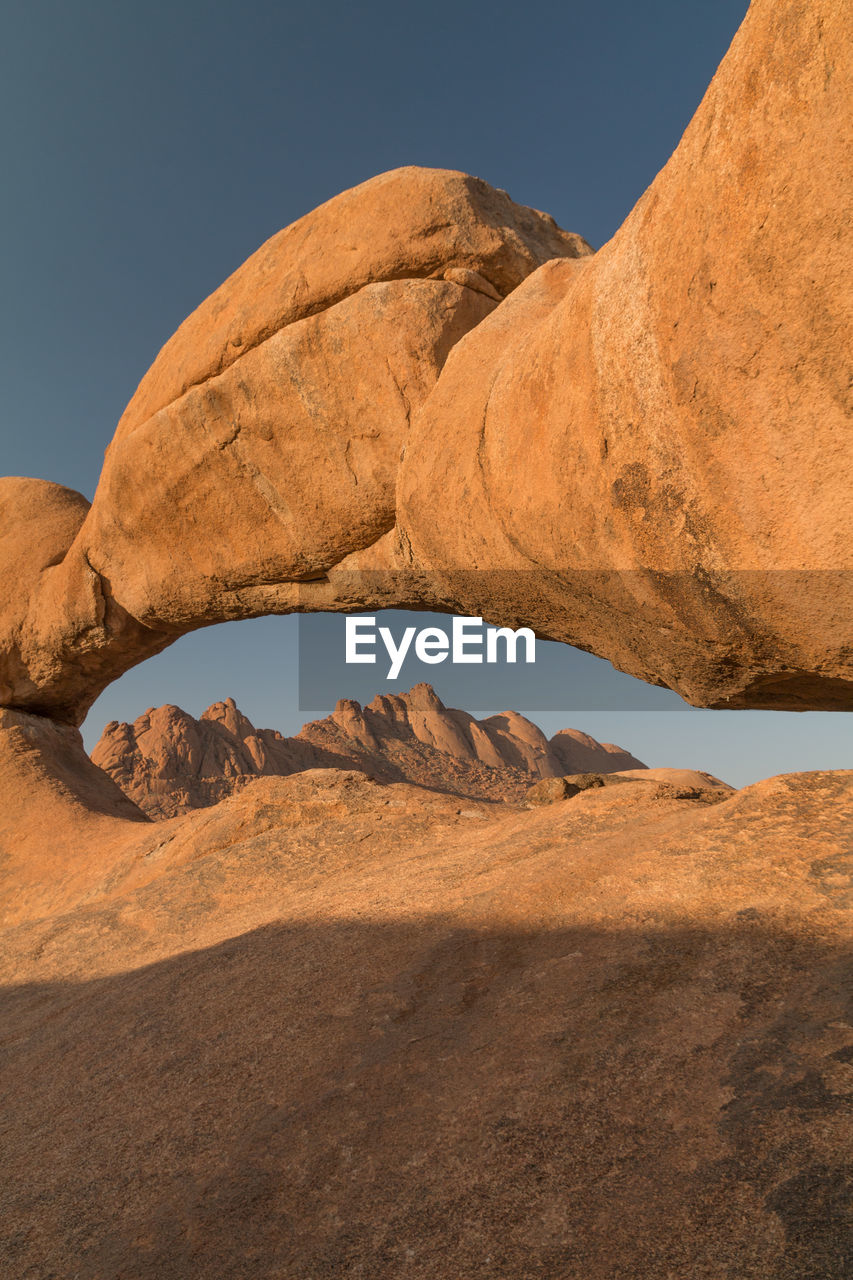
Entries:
{"x":168,"y":762}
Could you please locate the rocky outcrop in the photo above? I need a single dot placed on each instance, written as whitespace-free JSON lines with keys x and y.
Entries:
{"x":411,"y":224}
{"x":575,"y":752}
{"x":551,"y":790}
{"x":59,"y":816}
{"x":664,"y":784}
{"x":491,"y":758}
{"x":338,"y":1028}
{"x":652,"y":447}
{"x":167,"y":762}
{"x":422,"y":394}
{"x":263,"y":446}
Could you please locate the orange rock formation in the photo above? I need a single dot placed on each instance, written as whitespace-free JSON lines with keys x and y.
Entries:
{"x":424,"y":394}
{"x":332,"y":1027}
{"x":167,"y":762}
{"x":338,"y":1027}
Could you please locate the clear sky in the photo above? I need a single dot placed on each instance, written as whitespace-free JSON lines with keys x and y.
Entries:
{"x":148,"y":149}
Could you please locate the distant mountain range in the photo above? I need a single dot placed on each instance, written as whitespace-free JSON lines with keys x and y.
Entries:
{"x":168,"y":762}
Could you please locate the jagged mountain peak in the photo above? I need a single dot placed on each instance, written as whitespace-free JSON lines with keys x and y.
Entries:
{"x":169,"y":762}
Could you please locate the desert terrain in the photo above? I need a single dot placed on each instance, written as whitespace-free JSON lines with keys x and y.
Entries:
{"x":411,"y":994}
{"x":337,"y":1027}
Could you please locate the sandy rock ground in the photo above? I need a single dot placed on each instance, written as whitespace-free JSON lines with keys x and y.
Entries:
{"x":335,"y":1028}
{"x":642,"y":451}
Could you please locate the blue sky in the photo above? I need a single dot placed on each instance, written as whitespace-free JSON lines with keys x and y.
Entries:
{"x":147,"y":149}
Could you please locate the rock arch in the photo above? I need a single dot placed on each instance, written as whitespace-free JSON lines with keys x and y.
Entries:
{"x":423,"y":394}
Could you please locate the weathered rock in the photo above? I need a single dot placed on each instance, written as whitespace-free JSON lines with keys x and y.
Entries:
{"x":38,"y":523}
{"x":409,"y":224}
{"x":276,"y":469}
{"x":659,"y":784}
{"x":168,"y":763}
{"x":692,"y":779}
{"x":645,"y":452}
{"x":62,"y":633}
{"x":337,"y":1028}
{"x":678,"y":791}
{"x":589,"y":781}
{"x":263,"y":445}
{"x":574,"y":752}
{"x":550,"y":790}
{"x":680,"y":405}
{"x":59,"y":816}
{"x":507,"y":740}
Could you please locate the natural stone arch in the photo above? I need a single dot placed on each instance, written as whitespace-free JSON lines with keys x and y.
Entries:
{"x":643,"y":452}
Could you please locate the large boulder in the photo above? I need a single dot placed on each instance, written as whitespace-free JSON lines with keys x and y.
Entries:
{"x":38,"y":523}
{"x":409,"y":224}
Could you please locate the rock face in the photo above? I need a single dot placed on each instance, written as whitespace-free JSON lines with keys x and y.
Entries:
{"x":167,"y":762}
{"x":339,"y":1028}
{"x":38,"y":594}
{"x":650,"y":445}
{"x":411,"y":224}
{"x":59,"y":816}
{"x":263,"y":446}
{"x":680,"y":404}
{"x":551,"y":791}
